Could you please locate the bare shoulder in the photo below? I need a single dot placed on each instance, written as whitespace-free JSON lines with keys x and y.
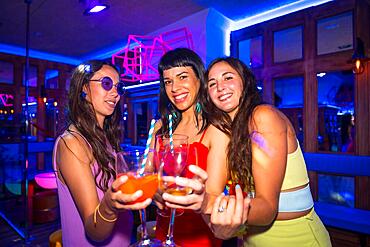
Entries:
{"x":212,"y":130}
{"x":267,"y":116}
{"x":263,"y":112}
{"x":76,"y":145}
{"x":215,"y":135}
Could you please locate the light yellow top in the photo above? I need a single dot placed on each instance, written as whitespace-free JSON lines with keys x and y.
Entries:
{"x":296,"y":171}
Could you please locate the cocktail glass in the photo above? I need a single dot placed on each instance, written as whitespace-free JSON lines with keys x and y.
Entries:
{"x":172,"y":153}
{"x":141,"y":175}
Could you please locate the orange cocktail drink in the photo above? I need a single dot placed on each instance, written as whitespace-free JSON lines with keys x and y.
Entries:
{"x":148,"y":183}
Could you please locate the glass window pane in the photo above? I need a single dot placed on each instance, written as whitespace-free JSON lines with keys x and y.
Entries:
{"x":288,"y":44}
{"x":9,"y":129}
{"x":335,"y":34}
{"x":6,"y":72}
{"x":32,"y":76}
{"x":337,"y":190}
{"x":336,"y":111}
{"x":32,"y":111}
{"x":51,"y":121}
{"x":288,"y":97}
{"x":51,"y":78}
{"x":250,"y":52}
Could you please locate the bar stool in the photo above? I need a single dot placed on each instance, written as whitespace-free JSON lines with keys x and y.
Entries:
{"x":46,"y":180}
{"x":55,"y":239}
{"x":45,"y":203}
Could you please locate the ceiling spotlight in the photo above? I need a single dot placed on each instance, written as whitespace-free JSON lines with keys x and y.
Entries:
{"x":94,"y":6}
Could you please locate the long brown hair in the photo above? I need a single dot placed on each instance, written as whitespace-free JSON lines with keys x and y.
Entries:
{"x":239,"y":149}
{"x":81,"y":114}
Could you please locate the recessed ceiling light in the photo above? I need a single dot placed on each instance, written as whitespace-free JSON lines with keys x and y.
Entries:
{"x":95,"y":6}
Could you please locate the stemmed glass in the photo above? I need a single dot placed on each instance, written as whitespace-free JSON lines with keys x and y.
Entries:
{"x":141,"y":176}
{"x":173,"y":153}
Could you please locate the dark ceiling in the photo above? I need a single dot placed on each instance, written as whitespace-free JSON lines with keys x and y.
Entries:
{"x":59,"y":26}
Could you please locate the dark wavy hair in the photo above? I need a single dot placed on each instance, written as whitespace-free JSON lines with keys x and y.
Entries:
{"x":239,"y":149}
{"x":81,"y":114}
{"x":179,"y":57}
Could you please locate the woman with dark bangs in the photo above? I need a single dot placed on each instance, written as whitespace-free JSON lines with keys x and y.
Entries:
{"x":181,"y":76}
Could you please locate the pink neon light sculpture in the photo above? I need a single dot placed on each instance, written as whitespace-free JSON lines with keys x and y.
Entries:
{"x":4,"y":99}
{"x":140,"y":58}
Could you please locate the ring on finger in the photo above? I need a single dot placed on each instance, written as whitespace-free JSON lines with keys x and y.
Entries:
{"x":220,"y":209}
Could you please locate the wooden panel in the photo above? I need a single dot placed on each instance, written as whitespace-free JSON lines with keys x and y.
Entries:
{"x":131,"y":122}
{"x":268,"y":48}
{"x":362,"y":112}
{"x":362,"y":192}
{"x":332,"y":8}
{"x":333,"y":62}
{"x":341,"y":238}
{"x":362,"y":95}
{"x":310,"y":112}
{"x":314,"y":184}
{"x":291,"y":68}
{"x":367,"y":120}
{"x":286,"y":21}
{"x":41,"y":107}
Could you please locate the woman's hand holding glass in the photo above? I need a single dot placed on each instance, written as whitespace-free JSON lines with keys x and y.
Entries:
{"x":194,"y":182}
{"x":195,"y":188}
{"x":173,"y":155}
{"x":140,"y":182}
{"x":230,"y":214}
{"x":134,"y":186}
{"x":116,"y":200}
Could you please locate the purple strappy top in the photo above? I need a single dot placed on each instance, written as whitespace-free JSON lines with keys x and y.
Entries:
{"x":73,"y":232}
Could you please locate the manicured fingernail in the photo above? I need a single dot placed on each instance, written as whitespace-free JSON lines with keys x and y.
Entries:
{"x":180,"y":180}
{"x":191,"y":167}
{"x":164,"y":196}
{"x":123,"y":178}
{"x":237,"y":186}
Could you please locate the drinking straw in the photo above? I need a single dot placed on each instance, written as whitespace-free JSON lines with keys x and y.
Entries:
{"x":170,"y":131}
{"x":147,"y":146}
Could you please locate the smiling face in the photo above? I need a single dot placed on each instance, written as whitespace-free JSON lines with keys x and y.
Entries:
{"x":182,"y":87}
{"x":104,"y":102}
{"x":225,"y":87}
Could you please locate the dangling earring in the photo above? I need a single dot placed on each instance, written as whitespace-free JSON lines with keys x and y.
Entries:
{"x":171,"y":110}
{"x":83,"y":95}
{"x":198,"y":108}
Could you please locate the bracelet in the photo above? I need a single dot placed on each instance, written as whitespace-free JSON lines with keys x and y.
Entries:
{"x":101,"y":216}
